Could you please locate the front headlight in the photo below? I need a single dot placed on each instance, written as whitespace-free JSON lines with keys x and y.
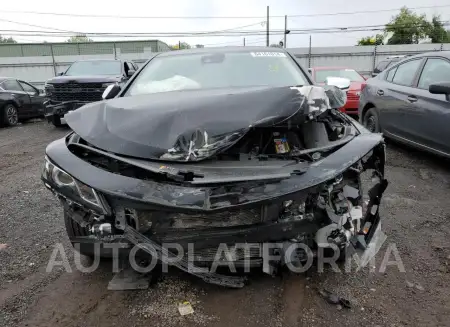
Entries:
{"x":55,"y":175}
{"x":48,"y":88}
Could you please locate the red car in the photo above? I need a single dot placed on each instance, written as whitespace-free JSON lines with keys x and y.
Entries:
{"x":358,"y":83}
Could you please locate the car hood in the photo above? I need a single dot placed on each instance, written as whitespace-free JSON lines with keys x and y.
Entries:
{"x":193,"y":125}
{"x":84,"y":79}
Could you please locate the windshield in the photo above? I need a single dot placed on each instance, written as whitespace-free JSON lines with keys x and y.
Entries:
{"x":217,"y":70}
{"x":352,"y":75}
{"x":95,"y":67}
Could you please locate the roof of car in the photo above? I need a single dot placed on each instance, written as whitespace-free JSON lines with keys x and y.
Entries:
{"x":445,"y":54}
{"x":330,"y":68}
{"x":221,"y":50}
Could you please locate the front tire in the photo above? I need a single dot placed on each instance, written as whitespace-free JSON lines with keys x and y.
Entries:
{"x":56,"y":121}
{"x":10,"y":115}
{"x":74,"y":230}
{"x":371,"y":121}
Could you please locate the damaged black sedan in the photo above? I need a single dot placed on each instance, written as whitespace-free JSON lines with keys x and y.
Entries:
{"x":228,"y":146}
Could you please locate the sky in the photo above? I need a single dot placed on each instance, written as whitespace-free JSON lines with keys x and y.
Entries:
{"x":12,"y":17}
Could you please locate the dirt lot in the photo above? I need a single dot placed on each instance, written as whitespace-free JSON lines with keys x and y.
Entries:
{"x":416,"y":213}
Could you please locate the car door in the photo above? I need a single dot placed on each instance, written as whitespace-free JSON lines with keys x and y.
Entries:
{"x":431,"y":112}
{"x":393,"y":99}
{"x":21,"y":97}
{"x":36,"y":99}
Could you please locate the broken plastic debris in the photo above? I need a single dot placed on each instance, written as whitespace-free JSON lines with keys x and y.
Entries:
{"x":335,"y":299}
{"x":3,"y":246}
{"x":185,"y":308}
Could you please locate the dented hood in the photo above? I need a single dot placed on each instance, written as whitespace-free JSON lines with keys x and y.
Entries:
{"x":192,"y":125}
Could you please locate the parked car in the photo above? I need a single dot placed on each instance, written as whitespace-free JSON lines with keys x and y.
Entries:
{"x":388,"y":62}
{"x":409,"y":102}
{"x":19,"y":101}
{"x":83,"y":82}
{"x":195,"y":152}
{"x":358,"y":82}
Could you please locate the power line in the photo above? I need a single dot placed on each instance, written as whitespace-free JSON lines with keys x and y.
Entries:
{"x":210,"y":17}
{"x":229,"y":32}
{"x":39,"y":26}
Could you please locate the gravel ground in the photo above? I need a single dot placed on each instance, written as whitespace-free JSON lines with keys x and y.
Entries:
{"x":416,"y":219}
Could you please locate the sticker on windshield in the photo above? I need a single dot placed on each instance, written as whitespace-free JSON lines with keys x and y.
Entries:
{"x":268,"y":54}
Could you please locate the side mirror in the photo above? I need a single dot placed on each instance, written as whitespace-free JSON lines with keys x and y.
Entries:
{"x":61,"y":74}
{"x":374,"y":74}
{"x":130,"y":72}
{"x":441,"y":88}
{"x":339,"y":82}
{"x":41,"y":91}
{"x":111,"y":91}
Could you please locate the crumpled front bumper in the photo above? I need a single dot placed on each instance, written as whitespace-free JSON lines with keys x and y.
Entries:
{"x":59,"y":109}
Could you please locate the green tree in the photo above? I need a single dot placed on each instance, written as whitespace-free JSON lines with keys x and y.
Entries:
{"x":407,"y":27}
{"x":372,"y":40}
{"x":180,"y":46}
{"x":79,"y":38}
{"x":436,"y":31}
{"x":7,"y":40}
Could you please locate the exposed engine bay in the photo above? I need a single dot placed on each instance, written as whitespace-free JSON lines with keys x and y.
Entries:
{"x":289,"y":179}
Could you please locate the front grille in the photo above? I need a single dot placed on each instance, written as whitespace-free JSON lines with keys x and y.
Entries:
{"x":88,"y":92}
{"x":221,"y":219}
{"x":352,"y":96}
{"x":235,"y":253}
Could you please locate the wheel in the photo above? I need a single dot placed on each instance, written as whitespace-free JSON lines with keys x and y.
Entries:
{"x":74,"y":230}
{"x":56,"y":121}
{"x":371,"y":122}
{"x":11,"y":117}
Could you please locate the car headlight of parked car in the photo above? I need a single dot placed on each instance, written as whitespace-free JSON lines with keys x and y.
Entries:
{"x":66,"y":184}
{"x":48,"y":88}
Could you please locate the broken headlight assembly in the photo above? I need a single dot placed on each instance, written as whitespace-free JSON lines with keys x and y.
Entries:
{"x":66,"y":184}
{"x":199,"y":145}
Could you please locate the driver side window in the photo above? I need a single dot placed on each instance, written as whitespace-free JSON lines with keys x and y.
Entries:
{"x":435,"y":71}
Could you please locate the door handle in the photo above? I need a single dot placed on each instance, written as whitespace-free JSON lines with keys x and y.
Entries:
{"x":412,"y":98}
{"x":380,"y":92}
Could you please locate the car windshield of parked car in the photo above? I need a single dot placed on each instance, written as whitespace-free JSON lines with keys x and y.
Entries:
{"x":352,"y":75}
{"x":217,"y":70}
{"x":94,"y":67}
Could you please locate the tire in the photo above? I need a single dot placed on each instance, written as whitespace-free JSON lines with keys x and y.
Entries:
{"x":10,"y":115}
{"x":371,"y":121}
{"x":56,"y":121}
{"x":74,"y":230}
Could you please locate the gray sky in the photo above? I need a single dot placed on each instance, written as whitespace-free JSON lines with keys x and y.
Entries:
{"x":232,"y":8}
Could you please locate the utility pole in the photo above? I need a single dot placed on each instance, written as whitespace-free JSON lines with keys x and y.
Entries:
{"x":267,"y":27}
{"x":309,"y":54}
{"x":244,"y":41}
{"x":179,"y":45}
{"x":285,"y":30}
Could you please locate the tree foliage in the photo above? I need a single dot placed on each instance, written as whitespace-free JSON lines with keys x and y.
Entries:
{"x":7,"y":40}
{"x":180,"y":46}
{"x":407,"y":27}
{"x":372,"y":40}
{"x":436,"y":31}
{"x":79,"y":38}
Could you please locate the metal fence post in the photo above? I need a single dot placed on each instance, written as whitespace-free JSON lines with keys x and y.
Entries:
{"x":374,"y":59}
{"x":53,"y":59}
{"x":309,"y":53}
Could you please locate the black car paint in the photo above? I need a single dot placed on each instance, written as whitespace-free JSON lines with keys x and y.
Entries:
{"x":60,"y":108}
{"x":27,"y":105}
{"x":409,"y":114}
{"x":222,"y":187}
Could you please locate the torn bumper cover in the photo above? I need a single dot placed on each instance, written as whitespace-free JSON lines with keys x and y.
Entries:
{"x":313,"y":195}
